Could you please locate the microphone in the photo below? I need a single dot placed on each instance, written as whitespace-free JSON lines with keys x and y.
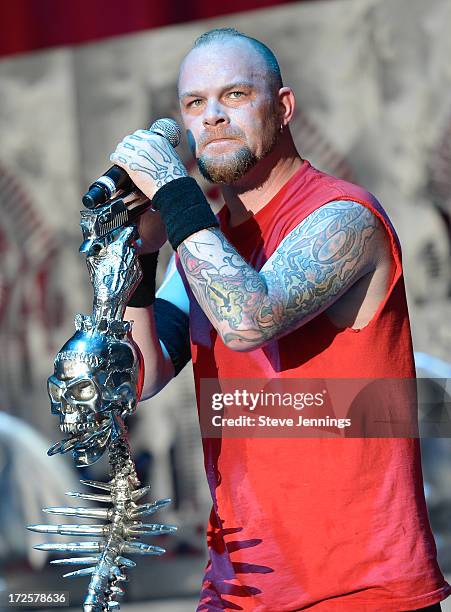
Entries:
{"x":116,"y":178}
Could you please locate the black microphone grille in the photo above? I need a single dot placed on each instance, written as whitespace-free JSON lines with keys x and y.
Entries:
{"x":168,"y":128}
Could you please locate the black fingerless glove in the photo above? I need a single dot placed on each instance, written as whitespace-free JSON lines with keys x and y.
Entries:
{"x":144,"y":294}
{"x":184,"y":209}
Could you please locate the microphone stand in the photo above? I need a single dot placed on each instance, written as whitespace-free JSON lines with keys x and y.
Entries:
{"x":96,"y":384}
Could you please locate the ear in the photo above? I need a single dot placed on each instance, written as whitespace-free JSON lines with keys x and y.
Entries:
{"x":287,"y":104}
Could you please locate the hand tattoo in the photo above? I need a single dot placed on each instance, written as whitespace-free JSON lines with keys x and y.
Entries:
{"x":149,"y":156}
{"x":160,"y":163}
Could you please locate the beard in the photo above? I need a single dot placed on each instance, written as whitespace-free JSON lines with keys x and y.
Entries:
{"x":229,"y":168}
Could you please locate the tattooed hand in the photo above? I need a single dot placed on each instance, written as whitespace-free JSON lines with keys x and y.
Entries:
{"x":150,"y":161}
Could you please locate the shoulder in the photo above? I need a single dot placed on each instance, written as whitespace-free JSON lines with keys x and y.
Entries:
{"x":335,"y":225}
{"x":339,"y":237}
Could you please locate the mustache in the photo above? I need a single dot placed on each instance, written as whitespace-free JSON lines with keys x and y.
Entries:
{"x":210,"y":136}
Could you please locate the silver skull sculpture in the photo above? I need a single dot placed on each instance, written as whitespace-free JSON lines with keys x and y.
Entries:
{"x":97,"y":382}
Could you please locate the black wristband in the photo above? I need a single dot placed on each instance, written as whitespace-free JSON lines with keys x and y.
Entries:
{"x":184,"y":209}
{"x":144,"y":294}
{"x":173,"y":330}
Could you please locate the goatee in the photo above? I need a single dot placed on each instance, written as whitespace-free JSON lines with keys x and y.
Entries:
{"x":228,"y":168}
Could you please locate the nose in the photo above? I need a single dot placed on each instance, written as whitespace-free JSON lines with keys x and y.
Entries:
{"x":66,"y":405}
{"x":215,"y":114}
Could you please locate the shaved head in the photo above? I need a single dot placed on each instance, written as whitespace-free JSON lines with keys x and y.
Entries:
{"x":230,"y":34}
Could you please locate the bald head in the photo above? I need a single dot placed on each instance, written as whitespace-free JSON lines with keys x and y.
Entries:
{"x":262,"y":55}
{"x":223,"y":35}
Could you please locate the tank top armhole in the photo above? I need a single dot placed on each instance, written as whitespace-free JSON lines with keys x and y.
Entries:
{"x":396,"y":268}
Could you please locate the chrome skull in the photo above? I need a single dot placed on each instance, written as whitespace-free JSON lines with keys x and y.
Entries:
{"x":97,"y":382}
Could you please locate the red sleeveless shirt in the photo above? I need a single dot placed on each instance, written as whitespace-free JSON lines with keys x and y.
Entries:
{"x":311,"y":523}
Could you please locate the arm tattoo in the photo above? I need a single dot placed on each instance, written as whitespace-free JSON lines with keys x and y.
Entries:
{"x":317,"y":262}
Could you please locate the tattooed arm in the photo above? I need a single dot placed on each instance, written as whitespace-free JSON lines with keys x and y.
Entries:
{"x":313,"y":266}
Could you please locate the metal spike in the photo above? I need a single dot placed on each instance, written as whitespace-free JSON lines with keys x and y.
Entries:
{"x":90,"y":496}
{"x":136,"y":532}
{"x":78,"y":530}
{"x":68,"y":445}
{"x":106,"y":486}
{"x":151,"y":529}
{"x":76,"y":561}
{"x":140,"y":492}
{"x":54,"y":449}
{"x":84,"y":547}
{"x":142,"y":549}
{"x":86,"y":571}
{"x":62,"y":447}
{"x":125,"y":562}
{"x":147,"y":509}
{"x":97,"y":513}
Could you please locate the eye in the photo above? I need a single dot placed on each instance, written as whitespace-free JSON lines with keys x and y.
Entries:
{"x":235,"y":95}
{"x":84,"y":390}
{"x":194,"y":103}
{"x":54,"y":391}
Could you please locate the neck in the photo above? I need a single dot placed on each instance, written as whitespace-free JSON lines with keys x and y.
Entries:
{"x":254,"y":190}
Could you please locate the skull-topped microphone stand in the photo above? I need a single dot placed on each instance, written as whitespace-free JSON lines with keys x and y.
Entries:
{"x":97,"y":382}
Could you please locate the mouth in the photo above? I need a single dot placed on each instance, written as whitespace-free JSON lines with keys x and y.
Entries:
{"x":219,"y":141}
{"x":77,"y":429}
{"x":85,"y":436}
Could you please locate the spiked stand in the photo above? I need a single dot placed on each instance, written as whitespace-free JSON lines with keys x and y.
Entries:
{"x":118,"y":536}
{"x":97,"y":382}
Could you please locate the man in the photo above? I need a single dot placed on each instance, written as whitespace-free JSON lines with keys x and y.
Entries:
{"x":302,"y":279}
